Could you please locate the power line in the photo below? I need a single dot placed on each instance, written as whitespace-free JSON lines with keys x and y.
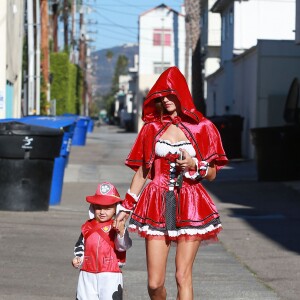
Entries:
{"x":112,"y":22}
{"x":117,"y":11}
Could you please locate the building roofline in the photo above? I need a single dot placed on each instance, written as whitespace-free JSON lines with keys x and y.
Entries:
{"x":159,"y":6}
{"x":219,"y":5}
{"x":221,"y":69}
{"x":245,"y":53}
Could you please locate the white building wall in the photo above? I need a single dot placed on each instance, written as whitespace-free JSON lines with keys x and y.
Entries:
{"x":279,"y":64}
{"x":263,"y":19}
{"x":182,"y":47}
{"x":216,"y":93}
{"x":210,"y":41}
{"x":261,"y":80}
{"x":211,"y":65}
{"x":210,"y":25}
{"x":149,"y":55}
{"x":214,"y":26}
{"x":3,"y":30}
{"x":15,"y":37}
{"x":244,"y":22}
{"x":245,"y":96}
{"x":228,"y":21}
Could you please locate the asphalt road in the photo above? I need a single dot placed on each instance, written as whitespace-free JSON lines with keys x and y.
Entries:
{"x":257,"y":257}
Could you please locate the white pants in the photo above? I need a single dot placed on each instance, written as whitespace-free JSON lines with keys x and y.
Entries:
{"x":100,"y":286}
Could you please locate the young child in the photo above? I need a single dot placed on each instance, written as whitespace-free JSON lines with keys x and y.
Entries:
{"x":101,"y":250}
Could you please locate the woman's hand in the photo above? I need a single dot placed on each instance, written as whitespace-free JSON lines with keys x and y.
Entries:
{"x":187,"y":162}
{"x":119,"y":222}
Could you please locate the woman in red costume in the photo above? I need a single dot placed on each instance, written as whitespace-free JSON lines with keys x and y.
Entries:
{"x":176,"y":148}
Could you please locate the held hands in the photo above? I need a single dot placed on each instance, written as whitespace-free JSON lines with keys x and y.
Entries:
{"x":119,"y":222}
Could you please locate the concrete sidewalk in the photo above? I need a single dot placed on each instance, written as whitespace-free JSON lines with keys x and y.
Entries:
{"x":257,"y":259}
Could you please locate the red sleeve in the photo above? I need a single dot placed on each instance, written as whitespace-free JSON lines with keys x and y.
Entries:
{"x":210,"y":144}
{"x":142,"y":149}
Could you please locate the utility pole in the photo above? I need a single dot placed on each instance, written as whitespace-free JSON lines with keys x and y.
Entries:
{"x":73,"y":33}
{"x":31,"y":75}
{"x":162,"y":45}
{"x":55,"y":25}
{"x":45,"y":49}
{"x":82,"y":59}
{"x":66,"y":26}
{"x":3,"y":63}
{"x":38,"y":57}
{"x":193,"y":59}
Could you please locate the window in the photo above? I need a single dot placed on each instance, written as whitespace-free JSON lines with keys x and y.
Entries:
{"x":162,"y":37}
{"x":231,"y":16}
{"x":159,"y":67}
{"x":223,"y":28}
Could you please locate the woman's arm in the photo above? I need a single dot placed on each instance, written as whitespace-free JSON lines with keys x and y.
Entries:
{"x":138,"y":181}
{"x":212,"y":172}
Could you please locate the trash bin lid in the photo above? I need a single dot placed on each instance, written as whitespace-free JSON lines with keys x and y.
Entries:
{"x":52,"y":122}
{"x":20,"y":140}
{"x":20,"y":128}
{"x":9,"y":120}
{"x":291,"y":112}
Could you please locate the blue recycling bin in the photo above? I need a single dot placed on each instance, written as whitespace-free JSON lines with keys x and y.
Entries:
{"x":68,"y":124}
{"x":80,"y":132}
{"x":90,"y":125}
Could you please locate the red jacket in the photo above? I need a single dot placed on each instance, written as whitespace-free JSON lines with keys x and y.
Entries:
{"x":99,"y":249}
{"x":201,"y":132}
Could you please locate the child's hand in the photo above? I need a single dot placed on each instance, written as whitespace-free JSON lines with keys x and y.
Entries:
{"x":76,"y":262}
{"x":120,"y":228}
{"x":120,"y":221}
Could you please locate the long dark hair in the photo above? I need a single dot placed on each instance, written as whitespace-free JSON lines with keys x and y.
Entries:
{"x":159,"y":107}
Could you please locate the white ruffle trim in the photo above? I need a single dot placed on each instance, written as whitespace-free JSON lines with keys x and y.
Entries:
{"x":120,"y":207}
{"x":176,"y":233}
{"x":195,"y":174}
{"x":163,"y":147}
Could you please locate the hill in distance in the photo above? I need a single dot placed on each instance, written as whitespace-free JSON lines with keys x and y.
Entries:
{"x":105,"y":68}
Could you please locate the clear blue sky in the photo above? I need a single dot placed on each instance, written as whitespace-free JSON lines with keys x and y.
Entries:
{"x":117,"y":20}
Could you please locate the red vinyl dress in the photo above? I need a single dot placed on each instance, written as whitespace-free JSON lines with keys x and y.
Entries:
{"x":193,"y":213}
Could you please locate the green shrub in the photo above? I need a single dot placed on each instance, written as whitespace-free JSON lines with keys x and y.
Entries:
{"x":64,"y":84}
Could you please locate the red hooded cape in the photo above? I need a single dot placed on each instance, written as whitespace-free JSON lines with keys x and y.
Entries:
{"x":201,"y":132}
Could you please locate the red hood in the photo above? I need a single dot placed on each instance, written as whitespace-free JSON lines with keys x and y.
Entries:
{"x":173,"y":82}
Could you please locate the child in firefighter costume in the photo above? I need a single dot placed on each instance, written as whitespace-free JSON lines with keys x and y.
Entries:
{"x":101,"y":249}
{"x":176,"y":149}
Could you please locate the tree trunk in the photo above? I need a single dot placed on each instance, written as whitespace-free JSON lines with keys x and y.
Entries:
{"x":66,"y":26}
{"x":44,"y":41}
{"x":55,"y":26}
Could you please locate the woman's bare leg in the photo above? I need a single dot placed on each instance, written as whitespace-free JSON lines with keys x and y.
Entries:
{"x":157,"y":253}
{"x":185,"y":256}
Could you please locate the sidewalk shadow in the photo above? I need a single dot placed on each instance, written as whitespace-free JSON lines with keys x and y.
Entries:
{"x":271,"y":208}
